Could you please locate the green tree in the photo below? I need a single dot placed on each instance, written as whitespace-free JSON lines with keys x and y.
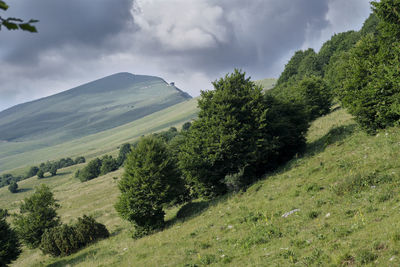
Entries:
{"x":231,"y":135}
{"x":315,"y":95}
{"x":108,"y":164}
{"x":124,"y":150}
{"x":13,"y":187}
{"x":16,"y":23}
{"x":37,"y":213}
{"x":40,"y":173}
{"x":32,"y":171}
{"x":186,"y":126}
{"x":53,"y":169}
{"x":370,"y":72}
{"x":80,"y":160}
{"x":91,"y":170}
{"x":10,"y":247}
{"x":150,"y":180}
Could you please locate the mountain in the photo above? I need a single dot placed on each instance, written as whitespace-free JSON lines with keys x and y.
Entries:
{"x":88,"y":109}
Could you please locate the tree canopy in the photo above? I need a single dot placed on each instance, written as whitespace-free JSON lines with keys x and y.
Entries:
{"x":16,"y":23}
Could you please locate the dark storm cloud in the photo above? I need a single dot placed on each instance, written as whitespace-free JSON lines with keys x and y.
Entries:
{"x":72,"y":22}
{"x":189,"y":41}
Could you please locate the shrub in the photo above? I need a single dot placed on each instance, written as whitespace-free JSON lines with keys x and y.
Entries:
{"x":13,"y":187}
{"x":53,"y":170}
{"x":80,"y":160}
{"x":90,"y":171}
{"x":10,"y":247}
{"x":37,"y":213}
{"x":32,"y":171}
{"x":40,"y":173}
{"x":108,"y":164}
{"x":150,"y":180}
{"x":65,"y":240}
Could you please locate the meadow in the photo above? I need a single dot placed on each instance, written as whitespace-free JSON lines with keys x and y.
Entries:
{"x":344,"y":192}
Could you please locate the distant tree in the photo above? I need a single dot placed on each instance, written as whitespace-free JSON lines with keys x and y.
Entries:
{"x":53,"y":170}
{"x":40,"y":173}
{"x":16,"y":23}
{"x":80,"y":160}
{"x":32,"y":171}
{"x":10,"y":247}
{"x":13,"y":187}
{"x":108,"y":164}
{"x":186,"y":126}
{"x":91,"y":170}
{"x":150,"y":180}
{"x":124,"y":150}
{"x":37,"y":213}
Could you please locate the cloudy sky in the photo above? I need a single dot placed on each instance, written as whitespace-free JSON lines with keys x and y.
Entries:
{"x":191,"y":42}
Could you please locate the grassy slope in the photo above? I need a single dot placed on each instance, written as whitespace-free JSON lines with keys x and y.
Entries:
{"x":266,"y":83}
{"x":82,"y":111}
{"x":339,"y":222}
{"x":100,"y":143}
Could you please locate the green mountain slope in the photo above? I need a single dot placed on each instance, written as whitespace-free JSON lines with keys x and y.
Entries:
{"x":64,"y":124}
{"x":90,"y":108}
{"x":28,"y":153}
{"x":345,"y":190}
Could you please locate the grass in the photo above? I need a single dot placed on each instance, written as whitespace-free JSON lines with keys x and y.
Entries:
{"x":266,"y":84}
{"x":346,"y":188}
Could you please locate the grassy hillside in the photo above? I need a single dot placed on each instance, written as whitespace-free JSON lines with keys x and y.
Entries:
{"x":346,"y":190}
{"x":27,"y":153}
{"x":266,"y":83}
{"x":85,"y":110}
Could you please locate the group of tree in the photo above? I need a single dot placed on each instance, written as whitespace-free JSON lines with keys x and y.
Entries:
{"x":38,"y":226}
{"x":240,"y":134}
{"x":7,"y":178}
{"x":53,"y":166}
{"x":97,"y":167}
{"x":360,"y":68}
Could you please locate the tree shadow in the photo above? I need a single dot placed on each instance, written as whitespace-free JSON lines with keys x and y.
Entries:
{"x":73,"y":261}
{"x":22,"y":190}
{"x":335,"y":135}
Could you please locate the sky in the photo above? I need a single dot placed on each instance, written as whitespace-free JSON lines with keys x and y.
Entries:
{"x":189,"y":42}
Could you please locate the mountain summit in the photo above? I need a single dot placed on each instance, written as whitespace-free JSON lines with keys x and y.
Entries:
{"x":87,"y":109}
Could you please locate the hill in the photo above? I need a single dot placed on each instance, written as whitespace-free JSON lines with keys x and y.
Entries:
{"x":86,"y":110}
{"x":266,"y":84}
{"x":344,"y":190}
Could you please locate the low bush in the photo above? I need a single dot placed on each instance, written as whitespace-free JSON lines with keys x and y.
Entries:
{"x":65,"y":240}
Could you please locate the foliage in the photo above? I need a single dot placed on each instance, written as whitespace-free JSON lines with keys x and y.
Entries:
{"x":301,"y":64}
{"x":32,"y":171}
{"x":40,"y":173}
{"x":53,"y":170}
{"x":10,"y":247}
{"x":13,"y":187}
{"x":90,"y":171}
{"x":236,"y":131}
{"x":16,"y":23}
{"x":108,"y":164}
{"x":64,"y":239}
{"x":167,"y":136}
{"x":37,"y":213}
{"x":123,"y":151}
{"x":150,"y":180}
{"x":80,"y":160}
{"x":186,"y":126}
{"x":315,"y":95}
